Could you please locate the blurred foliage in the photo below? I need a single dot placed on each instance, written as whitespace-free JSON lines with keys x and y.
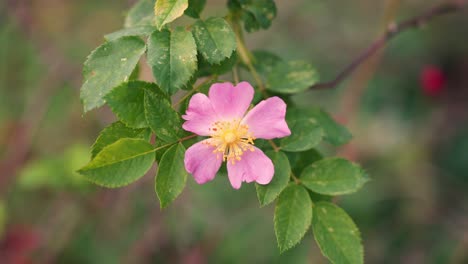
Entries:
{"x":18,"y":85}
{"x":56,"y":172}
{"x":453,"y":156}
{"x":3,"y":217}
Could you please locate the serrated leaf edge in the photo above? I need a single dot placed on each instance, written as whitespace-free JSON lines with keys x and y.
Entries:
{"x":282,"y":250}
{"x":85,"y":68}
{"x":203,"y":24}
{"x":321,"y":138}
{"x":362,"y":182}
{"x":361,"y":253}
{"x":164,"y":21}
{"x":262,"y":202}
{"x":118,"y":114}
{"x":161,"y":204}
{"x":87,"y":167}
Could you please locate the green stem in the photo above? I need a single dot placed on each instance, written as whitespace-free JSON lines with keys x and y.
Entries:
{"x":235,"y":74}
{"x":275,"y":147}
{"x":294,"y":177}
{"x":175,"y":142}
{"x":246,"y":56}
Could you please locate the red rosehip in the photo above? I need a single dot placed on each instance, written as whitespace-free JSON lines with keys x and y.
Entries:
{"x":17,"y":244}
{"x":432,"y":80}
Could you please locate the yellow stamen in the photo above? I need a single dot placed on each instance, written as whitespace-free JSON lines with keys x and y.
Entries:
{"x":231,"y":139}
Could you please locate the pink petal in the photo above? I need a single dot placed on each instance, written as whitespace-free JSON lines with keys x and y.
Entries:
{"x":254,"y":166}
{"x":231,"y":101}
{"x":267,"y":119}
{"x":200,"y":115}
{"x":201,"y":162}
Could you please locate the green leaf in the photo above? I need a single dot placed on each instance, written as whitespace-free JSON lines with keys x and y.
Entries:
{"x":256,"y":14}
{"x":108,"y":66}
{"x":317,"y":197}
{"x":161,"y":117}
{"x":293,"y":215}
{"x":173,"y":58}
{"x":333,"y":176}
{"x":268,"y":193}
{"x":161,"y":147}
{"x":133,"y":31}
{"x":141,"y":14}
{"x":207,"y":69}
{"x":306,"y":132}
{"x":335,"y":133}
{"x":127,"y":102}
{"x":291,"y":77}
{"x":135,"y":73}
{"x":260,"y":14}
{"x":115,"y":132}
{"x":120,"y":163}
{"x":172,"y":176}
{"x":167,"y":11}
{"x":195,"y":7}
{"x":265,"y":61}
{"x":336,"y":234}
{"x":300,"y":160}
{"x":215,"y":39}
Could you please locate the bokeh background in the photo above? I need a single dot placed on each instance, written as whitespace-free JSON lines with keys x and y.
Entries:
{"x":407,"y":109}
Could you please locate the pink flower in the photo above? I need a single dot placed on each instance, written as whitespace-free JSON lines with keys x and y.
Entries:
{"x":222,"y":116}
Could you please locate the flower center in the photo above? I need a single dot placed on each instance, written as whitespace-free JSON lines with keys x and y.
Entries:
{"x":231,"y":139}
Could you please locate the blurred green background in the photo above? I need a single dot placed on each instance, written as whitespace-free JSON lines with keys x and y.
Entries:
{"x":407,"y":110}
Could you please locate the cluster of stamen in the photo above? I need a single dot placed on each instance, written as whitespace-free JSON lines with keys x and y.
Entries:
{"x":230,"y":139}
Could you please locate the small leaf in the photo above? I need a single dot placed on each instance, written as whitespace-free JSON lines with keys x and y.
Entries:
{"x":335,"y":133}
{"x":291,"y":77}
{"x":195,"y":7}
{"x":115,"y":132}
{"x":333,"y":176}
{"x":133,"y":31}
{"x":161,"y":117}
{"x":336,"y":234}
{"x":120,"y":163}
{"x":108,"y":66}
{"x":172,"y":176}
{"x":256,"y":14}
{"x":215,"y":39}
{"x":141,"y":14}
{"x":268,"y":193}
{"x":261,"y":14}
{"x":306,"y":132}
{"x":167,"y":11}
{"x":172,"y":57}
{"x":265,"y":61}
{"x":127,"y":103}
{"x":293,"y":215}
